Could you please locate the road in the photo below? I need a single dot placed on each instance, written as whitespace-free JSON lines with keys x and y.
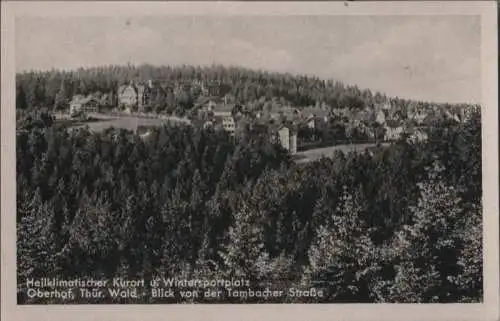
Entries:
{"x":317,"y":153}
{"x":131,"y":122}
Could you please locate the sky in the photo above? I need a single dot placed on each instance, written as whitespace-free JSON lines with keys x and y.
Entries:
{"x":432,"y":58}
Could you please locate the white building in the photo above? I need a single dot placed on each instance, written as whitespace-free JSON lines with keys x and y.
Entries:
{"x":228,"y":124}
{"x":288,"y":139}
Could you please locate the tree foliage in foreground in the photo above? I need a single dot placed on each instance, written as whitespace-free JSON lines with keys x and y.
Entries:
{"x":398,"y":224}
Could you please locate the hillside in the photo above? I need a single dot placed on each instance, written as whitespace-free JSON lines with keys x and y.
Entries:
{"x":53,"y":88}
{"x":398,"y":223}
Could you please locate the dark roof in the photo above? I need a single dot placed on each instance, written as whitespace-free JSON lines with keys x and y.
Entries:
{"x":393,"y":123}
{"x":429,"y":119}
{"x":223,"y":108}
{"x":305,"y":121}
{"x":202,"y":100}
{"x":278,"y":127}
{"x":318,"y":112}
{"x":139,"y":88}
{"x":80,"y":99}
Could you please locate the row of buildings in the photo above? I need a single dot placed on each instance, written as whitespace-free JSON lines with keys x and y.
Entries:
{"x":82,"y":105}
{"x":212,"y":109}
{"x":278,"y":123}
{"x":285,"y":121}
{"x":137,"y":97}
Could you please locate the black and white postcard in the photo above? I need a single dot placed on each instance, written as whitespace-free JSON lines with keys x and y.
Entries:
{"x":246,"y":161}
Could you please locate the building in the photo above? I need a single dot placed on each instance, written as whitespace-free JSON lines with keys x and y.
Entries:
{"x":380,"y":117}
{"x":284,"y":137}
{"x":144,"y":95}
{"x":208,"y":124}
{"x":212,"y":89}
{"x":467,"y":112}
{"x":290,"y":111}
{"x":393,"y":130}
{"x":134,"y":97}
{"x":417,"y":135}
{"x":144,"y":131}
{"x":283,"y":134}
{"x":417,"y":116}
{"x":81,"y":105}
{"x":310,"y":122}
{"x":316,"y":113}
{"x":127,"y":97}
{"x":208,"y":103}
{"x":182,"y":87}
{"x":222,"y":109}
{"x":287,"y":137}
{"x":387,"y":106}
{"x":106,"y":100}
{"x":228,"y":124}
{"x":167,"y":88}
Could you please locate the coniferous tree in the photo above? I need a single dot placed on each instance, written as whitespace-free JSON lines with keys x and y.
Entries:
{"x":425,"y":252}
{"x":342,"y":257}
{"x":21,"y":100}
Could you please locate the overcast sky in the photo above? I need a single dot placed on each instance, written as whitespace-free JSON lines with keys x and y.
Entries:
{"x":433,"y":58}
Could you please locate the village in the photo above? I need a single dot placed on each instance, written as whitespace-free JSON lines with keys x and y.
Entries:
{"x":211,"y":154}
{"x":295,"y":128}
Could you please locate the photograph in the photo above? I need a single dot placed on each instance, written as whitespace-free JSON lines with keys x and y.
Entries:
{"x":249,"y":159}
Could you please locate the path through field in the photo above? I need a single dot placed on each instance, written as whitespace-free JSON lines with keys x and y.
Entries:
{"x":128,"y":122}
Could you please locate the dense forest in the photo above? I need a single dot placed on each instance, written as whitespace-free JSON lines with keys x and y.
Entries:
{"x":394,"y":224}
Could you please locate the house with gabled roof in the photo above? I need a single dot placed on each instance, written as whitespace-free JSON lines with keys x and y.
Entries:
{"x":287,"y":136}
{"x":282,"y":133}
{"x":393,"y":130}
{"x":315,"y":115}
{"x":134,"y":97}
{"x":127,"y":97}
{"x":309,"y":122}
{"x":81,"y":105}
{"x":211,"y":89}
{"x":223,"y":109}
{"x":380,"y":117}
{"x":208,"y":103}
{"x":416,"y":134}
{"x":429,"y":120}
{"x":182,"y":87}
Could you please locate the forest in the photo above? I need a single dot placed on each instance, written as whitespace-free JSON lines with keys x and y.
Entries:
{"x":394,"y":224}
{"x":53,"y":89}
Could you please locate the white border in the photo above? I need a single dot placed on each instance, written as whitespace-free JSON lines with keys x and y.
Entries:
{"x":486,"y":311}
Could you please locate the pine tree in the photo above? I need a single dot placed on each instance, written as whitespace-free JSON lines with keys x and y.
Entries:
{"x":35,"y":239}
{"x":245,"y":246}
{"x":426,"y":252}
{"x":61,"y":100}
{"x":21,"y":100}
{"x":342,"y":256}
{"x":470,"y":279}
{"x":94,"y":233}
